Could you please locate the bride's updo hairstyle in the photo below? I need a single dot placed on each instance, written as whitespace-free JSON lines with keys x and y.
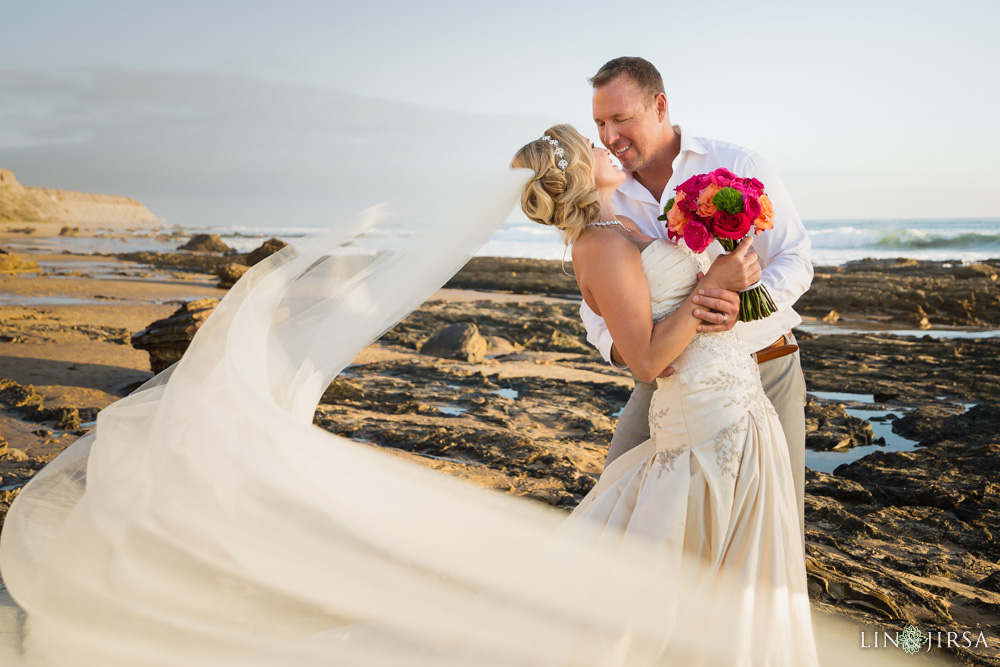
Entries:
{"x":565,"y":198}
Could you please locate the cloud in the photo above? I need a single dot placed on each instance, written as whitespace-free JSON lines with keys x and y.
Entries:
{"x":205,"y":148}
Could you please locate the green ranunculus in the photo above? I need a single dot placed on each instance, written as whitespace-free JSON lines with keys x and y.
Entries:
{"x":729,"y":200}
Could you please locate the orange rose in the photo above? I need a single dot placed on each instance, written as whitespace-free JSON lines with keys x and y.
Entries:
{"x":766,"y":219}
{"x":706,"y":208}
{"x":676,"y":220}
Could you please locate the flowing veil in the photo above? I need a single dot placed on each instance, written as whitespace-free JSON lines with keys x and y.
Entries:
{"x":207,"y":521}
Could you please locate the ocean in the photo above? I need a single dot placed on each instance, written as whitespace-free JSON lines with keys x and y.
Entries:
{"x":834,"y":242}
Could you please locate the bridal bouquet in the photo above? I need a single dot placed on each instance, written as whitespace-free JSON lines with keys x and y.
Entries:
{"x":726,"y":207}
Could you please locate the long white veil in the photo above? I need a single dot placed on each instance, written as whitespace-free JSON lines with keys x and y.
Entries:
{"x":206,"y":521}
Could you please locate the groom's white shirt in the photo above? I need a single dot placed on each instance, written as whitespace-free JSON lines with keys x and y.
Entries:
{"x":783,"y":251}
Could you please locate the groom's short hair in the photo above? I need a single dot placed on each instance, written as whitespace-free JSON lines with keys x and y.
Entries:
{"x":639,"y":70}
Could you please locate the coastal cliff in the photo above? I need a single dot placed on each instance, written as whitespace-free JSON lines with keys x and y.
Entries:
{"x":30,"y":204}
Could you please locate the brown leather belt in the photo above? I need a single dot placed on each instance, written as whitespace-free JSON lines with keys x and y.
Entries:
{"x":775,"y":350}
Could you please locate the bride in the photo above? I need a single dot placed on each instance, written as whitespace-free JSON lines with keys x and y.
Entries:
{"x":713,"y":483}
{"x":207,"y":521}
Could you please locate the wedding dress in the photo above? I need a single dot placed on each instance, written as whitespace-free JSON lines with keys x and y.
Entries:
{"x":712,"y":485}
{"x":206,"y":521}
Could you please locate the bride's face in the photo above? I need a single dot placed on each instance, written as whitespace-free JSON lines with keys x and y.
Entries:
{"x":606,"y":172}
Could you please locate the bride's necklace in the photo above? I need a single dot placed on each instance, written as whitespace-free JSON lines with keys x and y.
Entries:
{"x":608,"y":223}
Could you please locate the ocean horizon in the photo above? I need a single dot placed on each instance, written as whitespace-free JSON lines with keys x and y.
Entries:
{"x":834,"y":242}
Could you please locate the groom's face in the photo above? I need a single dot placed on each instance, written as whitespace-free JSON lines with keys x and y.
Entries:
{"x":627,"y":119}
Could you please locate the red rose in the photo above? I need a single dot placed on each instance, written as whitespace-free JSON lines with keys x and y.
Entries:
{"x":731,"y":225}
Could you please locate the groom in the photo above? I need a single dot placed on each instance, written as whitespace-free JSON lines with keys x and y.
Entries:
{"x":630,"y":109}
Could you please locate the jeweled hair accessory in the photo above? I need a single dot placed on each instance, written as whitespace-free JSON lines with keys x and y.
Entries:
{"x":558,"y":150}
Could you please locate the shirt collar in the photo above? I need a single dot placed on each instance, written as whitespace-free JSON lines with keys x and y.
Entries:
{"x":632,"y":189}
{"x":691,"y":143}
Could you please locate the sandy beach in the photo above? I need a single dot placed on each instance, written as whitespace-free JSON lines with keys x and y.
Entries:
{"x":901,"y":360}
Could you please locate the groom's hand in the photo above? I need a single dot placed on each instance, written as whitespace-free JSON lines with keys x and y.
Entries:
{"x":720,"y":309}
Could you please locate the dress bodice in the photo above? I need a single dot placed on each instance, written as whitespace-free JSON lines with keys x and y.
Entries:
{"x":672,"y":273}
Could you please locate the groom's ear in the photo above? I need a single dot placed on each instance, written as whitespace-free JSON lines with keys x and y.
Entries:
{"x":660,"y":102}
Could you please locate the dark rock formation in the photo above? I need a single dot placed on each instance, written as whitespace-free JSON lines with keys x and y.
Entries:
{"x":265,"y":250}
{"x":910,"y":537}
{"x":458,"y":341}
{"x":166,"y":340}
{"x":916,"y":371}
{"x":205,"y":243}
{"x":500,"y":347}
{"x":923,"y":293}
{"x":208,"y":263}
{"x":530,"y":326}
{"x":230,"y":273}
{"x":25,"y":401}
{"x":67,"y":419}
{"x":23,"y":398}
{"x":828,"y":426}
{"x":521,"y":276}
{"x":178,"y":260}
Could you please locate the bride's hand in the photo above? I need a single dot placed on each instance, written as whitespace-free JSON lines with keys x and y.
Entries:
{"x":737,"y":270}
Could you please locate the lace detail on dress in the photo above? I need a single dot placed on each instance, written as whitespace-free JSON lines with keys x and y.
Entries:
{"x":728,"y":455}
{"x":664,"y":458}
{"x":735,"y":379}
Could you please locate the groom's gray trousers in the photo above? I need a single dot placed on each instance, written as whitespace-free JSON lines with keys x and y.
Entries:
{"x":783,"y":383}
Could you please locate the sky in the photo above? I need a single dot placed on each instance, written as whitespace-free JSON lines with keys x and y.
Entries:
{"x":291,"y":113}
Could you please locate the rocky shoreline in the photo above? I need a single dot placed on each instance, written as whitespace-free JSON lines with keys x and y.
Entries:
{"x":903,"y":291}
{"x":894,"y":538}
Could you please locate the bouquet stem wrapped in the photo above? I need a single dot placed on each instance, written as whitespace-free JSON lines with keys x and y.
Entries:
{"x":755,"y":301}
{"x":723,"y":206}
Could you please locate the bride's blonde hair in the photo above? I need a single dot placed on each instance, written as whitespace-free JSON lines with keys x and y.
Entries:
{"x":566,"y":199}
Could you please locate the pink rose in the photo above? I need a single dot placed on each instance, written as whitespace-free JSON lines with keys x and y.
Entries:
{"x":731,"y":225}
{"x":692,"y":186}
{"x":751,"y":206}
{"x":755,"y":184}
{"x":688,"y":203}
{"x":723,"y":178}
{"x":696,"y":236}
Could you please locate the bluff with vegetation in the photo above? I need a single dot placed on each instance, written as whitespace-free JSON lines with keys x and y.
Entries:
{"x":28,"y":204}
